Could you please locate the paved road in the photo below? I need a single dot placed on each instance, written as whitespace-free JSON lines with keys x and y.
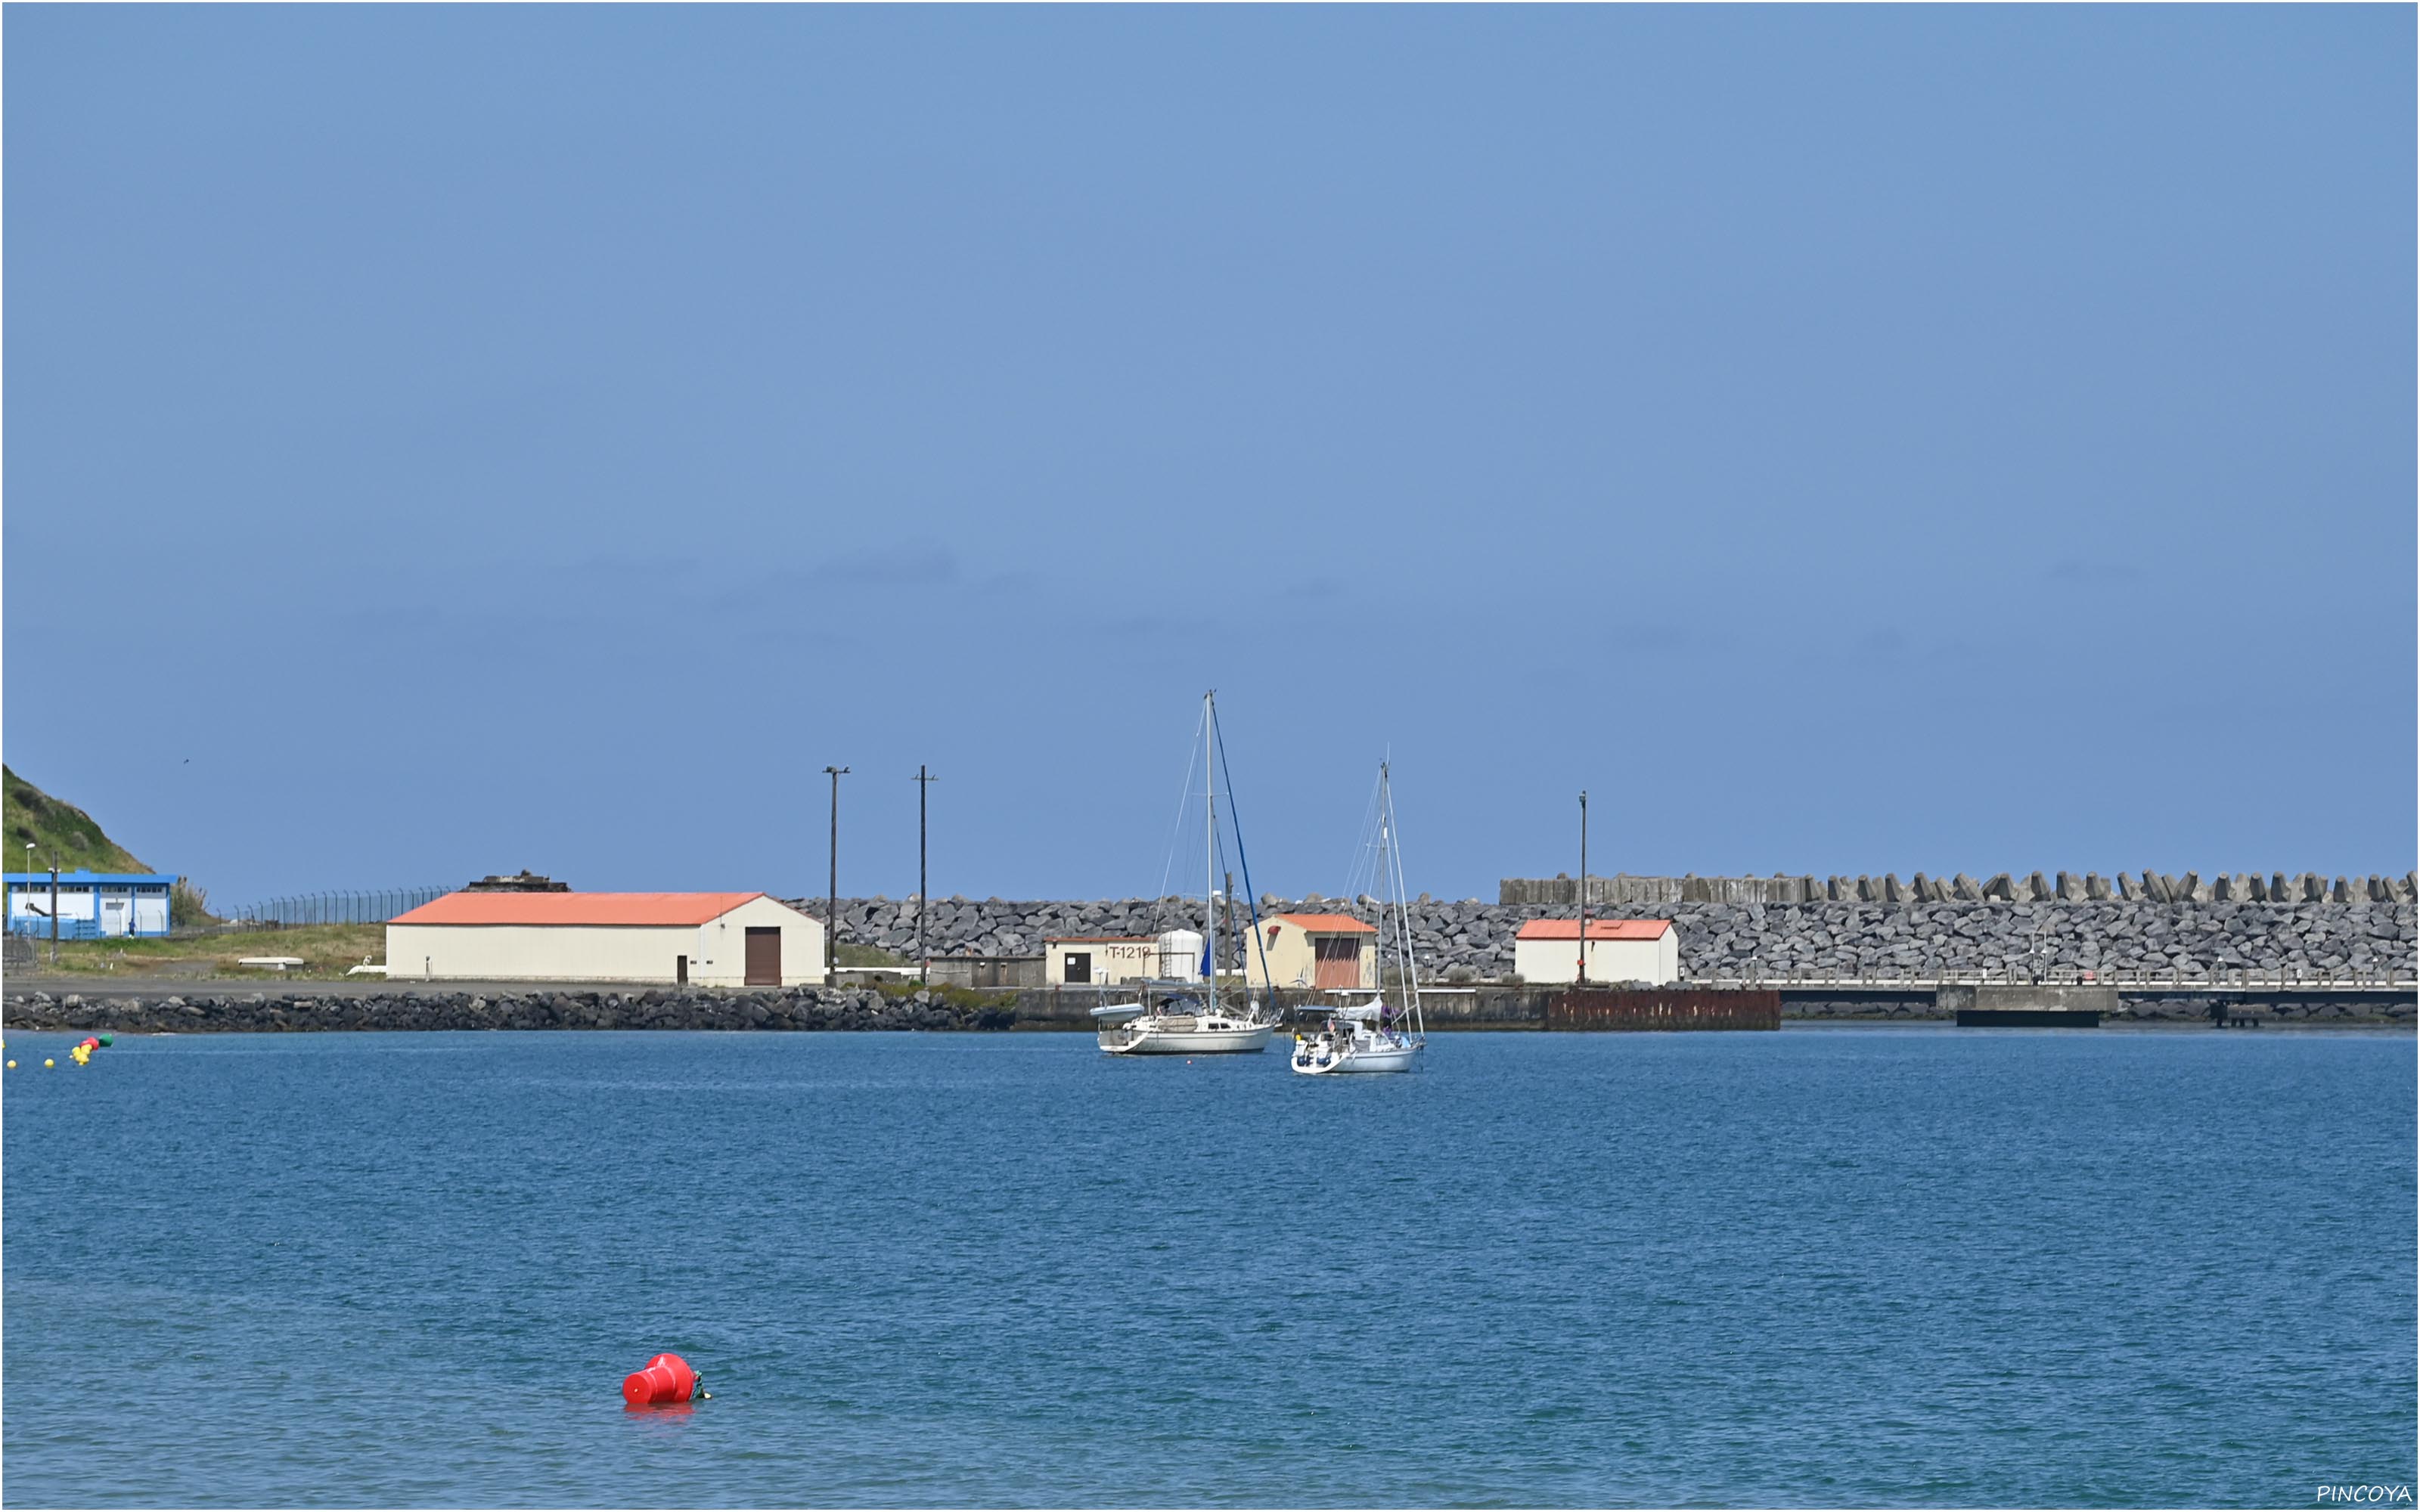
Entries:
{"x":113,"y":984}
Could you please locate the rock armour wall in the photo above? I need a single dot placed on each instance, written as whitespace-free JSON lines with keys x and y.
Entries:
{"x":2134,"y":935}
{"x":2066,"y":886}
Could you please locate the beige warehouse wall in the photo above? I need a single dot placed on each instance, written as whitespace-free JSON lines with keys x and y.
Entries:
{"x":1293,"y":961}
{"x":1113,"y":961}
{"x":723,"y":944}
{"x":1289,"y":955}
{"x":534,"y":952}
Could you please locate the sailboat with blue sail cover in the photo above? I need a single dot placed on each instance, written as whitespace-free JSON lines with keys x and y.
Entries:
{"x":1191,"y":1018}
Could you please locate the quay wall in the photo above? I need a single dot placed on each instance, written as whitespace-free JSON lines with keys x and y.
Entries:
{"x":206,"y":1008}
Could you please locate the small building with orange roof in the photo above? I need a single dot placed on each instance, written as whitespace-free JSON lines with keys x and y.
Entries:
{"x":1618,"y":950}
{"x":1316,"y":951}
{"x":706,"y":939}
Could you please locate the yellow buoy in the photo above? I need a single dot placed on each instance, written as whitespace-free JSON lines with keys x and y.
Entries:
{"x":48,"y":1064}
{"x":12,"y":1065}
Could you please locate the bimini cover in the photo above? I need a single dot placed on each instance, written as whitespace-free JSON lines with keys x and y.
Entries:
{"x":1180,"y":956}
{"x":1375,"y":1009}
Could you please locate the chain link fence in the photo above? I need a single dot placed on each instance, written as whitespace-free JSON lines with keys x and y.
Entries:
{"x":303,"y":909}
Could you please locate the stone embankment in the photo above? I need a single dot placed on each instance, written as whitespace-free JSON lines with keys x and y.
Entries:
{"x":298,"y":1008}
{"x":1471,"y":940}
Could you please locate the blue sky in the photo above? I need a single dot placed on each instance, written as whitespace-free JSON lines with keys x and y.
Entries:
{"x":448,"y":439}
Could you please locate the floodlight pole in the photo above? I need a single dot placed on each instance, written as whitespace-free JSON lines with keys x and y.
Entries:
{"x":925,"y":781}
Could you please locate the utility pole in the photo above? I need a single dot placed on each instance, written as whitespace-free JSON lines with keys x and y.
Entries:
{"x":1227,"y":929}
{"x":832,"y":897}
{"x":54,"y":910}
{"x":1583,"y":981}
{"x":925,"y":781}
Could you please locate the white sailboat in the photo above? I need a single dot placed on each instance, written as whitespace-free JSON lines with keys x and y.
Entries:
{"x":1188,"y":1019}
{"x":1363,"y":1039}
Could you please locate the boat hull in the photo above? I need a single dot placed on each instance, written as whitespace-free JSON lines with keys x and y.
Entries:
{"x":1142,"y":1040}
{"x":1357,"y":1062}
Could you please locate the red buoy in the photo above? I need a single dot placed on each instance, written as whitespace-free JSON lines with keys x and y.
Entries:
{"x":666,"y":1380}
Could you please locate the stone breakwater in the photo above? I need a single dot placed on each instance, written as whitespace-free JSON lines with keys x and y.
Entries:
{"x":1473,"y":940}
{"x":298,"y":1008}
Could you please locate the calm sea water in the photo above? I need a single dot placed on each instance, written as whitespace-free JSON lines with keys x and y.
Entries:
{"x":1834,"y":1266}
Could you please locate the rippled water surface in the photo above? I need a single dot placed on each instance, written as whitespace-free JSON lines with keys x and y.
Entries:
{"x":1831,"y":1266}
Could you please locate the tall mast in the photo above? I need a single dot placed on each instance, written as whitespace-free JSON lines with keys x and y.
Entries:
{"x":1210,"y":842}
{"x":1392,"y":917}
{"x":1394,"y":859}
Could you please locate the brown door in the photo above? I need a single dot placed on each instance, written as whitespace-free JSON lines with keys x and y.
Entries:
{"x":1339,"y":959}
{"x":681,"y":969}
{"x":764,"y":957}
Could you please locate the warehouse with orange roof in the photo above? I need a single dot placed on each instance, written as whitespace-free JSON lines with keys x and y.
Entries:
{"x":706,"y":939}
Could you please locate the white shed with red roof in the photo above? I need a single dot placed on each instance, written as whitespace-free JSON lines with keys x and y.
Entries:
{"x":707,"y":939}
{"x":1618,"y":950}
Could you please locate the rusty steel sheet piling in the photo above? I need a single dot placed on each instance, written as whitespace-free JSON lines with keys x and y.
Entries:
{"x":1658,"y":1008}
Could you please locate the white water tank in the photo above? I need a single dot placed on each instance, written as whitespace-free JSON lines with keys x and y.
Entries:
{"x":1180,"y":956}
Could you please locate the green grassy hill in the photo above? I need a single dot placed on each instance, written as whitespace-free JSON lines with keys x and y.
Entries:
{"x":58,"y":830}
{"x":69,"y":835}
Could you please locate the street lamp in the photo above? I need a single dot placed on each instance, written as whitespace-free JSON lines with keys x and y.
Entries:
{"x":1583,"y":979}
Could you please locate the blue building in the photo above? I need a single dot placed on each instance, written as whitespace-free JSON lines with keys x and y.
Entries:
{"x":93,"y":905}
